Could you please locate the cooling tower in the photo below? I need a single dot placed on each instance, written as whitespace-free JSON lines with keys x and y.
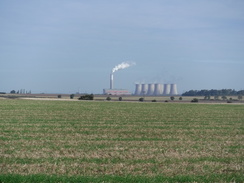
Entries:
{"x":150,"y":89}
{"x":158,"y":90}
{"x":138,"y":89}
{"x":166,"y":89}
{"x":144,"y":89}
{"x":173,"y":89}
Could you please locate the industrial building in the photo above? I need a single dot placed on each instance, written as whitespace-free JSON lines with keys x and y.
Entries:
{"x":116,"y":92}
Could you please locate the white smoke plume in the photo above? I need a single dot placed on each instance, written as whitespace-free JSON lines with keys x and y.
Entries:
{"x":123,"y":65}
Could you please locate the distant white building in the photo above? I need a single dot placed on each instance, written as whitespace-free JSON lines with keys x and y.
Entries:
{"x":116,"y":92}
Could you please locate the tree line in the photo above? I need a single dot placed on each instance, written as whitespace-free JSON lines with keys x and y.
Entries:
{"x":212,"y":92}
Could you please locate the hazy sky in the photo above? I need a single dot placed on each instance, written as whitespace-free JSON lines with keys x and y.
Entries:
{"x":66,"y":45}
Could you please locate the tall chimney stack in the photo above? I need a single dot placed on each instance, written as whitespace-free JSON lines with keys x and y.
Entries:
{"x":111,"y":81}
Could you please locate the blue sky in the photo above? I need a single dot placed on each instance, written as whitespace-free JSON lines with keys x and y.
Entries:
{"x":62,"y":46}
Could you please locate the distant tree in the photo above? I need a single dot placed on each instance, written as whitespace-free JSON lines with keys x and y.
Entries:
{"x":207,"y":97}
{"x":212,"y":92}
{"x":241,"y":92}
{"x":108,"y":98}
{"x":180,"y":98}
{"x":216,"y":97}
{"x":172,"y":98}
{"x":12,"y":92}
{"x":59,"y":96}
{"x":141,"y":99}
{"x":154,"y":100}
{"x":203,"y":93}
{"x":72,"y":96}
{"x":86,"y":97}
{"x":194,"y":100}
{"x":224,"y":97}
{"x":190,"y":93}
{"x":240,"y":97}
{"x":120,"y":98}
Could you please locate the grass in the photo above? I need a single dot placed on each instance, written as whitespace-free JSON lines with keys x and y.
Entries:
{"x":64,"y":141}
{"x":105,"y":178}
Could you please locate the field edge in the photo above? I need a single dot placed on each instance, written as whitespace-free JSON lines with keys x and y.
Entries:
{"x":16,"y":178}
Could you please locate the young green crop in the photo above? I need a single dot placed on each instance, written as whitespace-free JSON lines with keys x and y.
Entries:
{"x":121,"y":139}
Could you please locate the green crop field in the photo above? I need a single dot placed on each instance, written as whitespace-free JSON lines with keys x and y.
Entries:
{"x":88,"y":141}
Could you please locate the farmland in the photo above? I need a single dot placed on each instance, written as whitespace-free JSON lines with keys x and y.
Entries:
{"x":91,"y":141}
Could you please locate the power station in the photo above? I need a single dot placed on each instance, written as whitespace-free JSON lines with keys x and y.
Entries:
{"x":112,"y":91}
{"x":150,"y":89}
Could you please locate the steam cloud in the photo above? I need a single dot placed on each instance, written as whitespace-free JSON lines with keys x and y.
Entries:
{"x":123,"y":65}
